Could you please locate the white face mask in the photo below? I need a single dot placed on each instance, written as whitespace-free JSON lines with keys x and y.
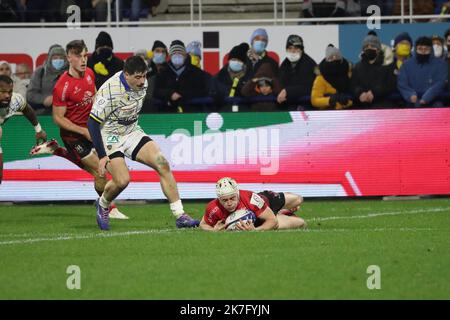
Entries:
{"x":293,"y":57}
{"x":438,"y":50}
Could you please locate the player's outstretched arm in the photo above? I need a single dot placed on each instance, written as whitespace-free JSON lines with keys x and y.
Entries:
{"x":218,"y":227}
{"x":29,"y":113}
{"x":270,"y":220}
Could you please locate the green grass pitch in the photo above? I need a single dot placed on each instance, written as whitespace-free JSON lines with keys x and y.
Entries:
{"x":146,"y":257}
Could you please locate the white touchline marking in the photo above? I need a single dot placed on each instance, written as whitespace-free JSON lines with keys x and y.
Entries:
{"x":352,"y":182}
{"x":372,"y":215}
{"x":63,"y":237}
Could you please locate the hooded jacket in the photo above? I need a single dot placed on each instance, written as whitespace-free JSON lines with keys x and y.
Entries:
{"x":44,"y":78}
{"x":427,"y":80}
{"x":249,"y":89}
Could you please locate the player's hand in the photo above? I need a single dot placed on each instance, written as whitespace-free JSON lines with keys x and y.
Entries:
{"x":220,"y":225}
{"x":86,"y":134}
{"x":245,"y":225}
{"x":282,"y":97}
{"x":102,"y":166}
{"x":41,"y":137}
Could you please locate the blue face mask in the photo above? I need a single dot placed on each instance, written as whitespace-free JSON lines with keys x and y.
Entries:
{"x":177,"y":60}
{"x":259,"y":46}
{"x":235,"y":66}
{"x":159,"y":58}
{"x":58,"y":64}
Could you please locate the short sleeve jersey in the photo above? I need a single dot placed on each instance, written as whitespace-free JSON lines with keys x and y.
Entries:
{"x":17,"y":104}
{"x":77,"y":95}
{"x":117,"y":106}
{"x":215,"y":212}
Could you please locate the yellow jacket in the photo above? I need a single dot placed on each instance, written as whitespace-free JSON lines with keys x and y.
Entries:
{"x":322,"y":87}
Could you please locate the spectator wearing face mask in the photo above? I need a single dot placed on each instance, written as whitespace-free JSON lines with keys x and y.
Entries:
{"x":21,"y":78}
{"x":402,"y":51}
{"x":103,"y":61}
{"x":422,"y":78}
{"x":43,"y":80}
{"x":297,"y":73}
{"x":231,"y":78}
{"x":331,"y":88}
{"x":156,"y":60}
{"x":371,"y":82}
{"x":181,"y":82}
{"x":439,"y":50}
{"x":257,"y":54}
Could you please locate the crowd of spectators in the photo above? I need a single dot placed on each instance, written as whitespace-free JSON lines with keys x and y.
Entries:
{"x":91,"y":10}
{"x":413,"y":73}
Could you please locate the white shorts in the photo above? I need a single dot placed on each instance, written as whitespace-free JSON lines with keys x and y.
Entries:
{"x":127,"y":145}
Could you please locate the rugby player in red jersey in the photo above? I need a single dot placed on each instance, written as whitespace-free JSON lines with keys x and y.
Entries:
{"x":72,"y":102}
{"x":273,"y":210}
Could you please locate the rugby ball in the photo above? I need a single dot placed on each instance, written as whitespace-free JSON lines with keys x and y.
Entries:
{"x":235,"y":217}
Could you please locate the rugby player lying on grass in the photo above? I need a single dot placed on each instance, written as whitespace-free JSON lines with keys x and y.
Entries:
{"x":273,"y":210}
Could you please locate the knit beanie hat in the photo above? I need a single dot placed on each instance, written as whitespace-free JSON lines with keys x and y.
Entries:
{"x":373,"y":41}
{"x":332,"y":51}
{"x":158,"y":44}
{"x":403,"y":36}
{"x":259,"y":32}
{"x":103,"y":39}
{"x":194,"y":47}
{"x":239,"y":52}
{"x":177,"y":46}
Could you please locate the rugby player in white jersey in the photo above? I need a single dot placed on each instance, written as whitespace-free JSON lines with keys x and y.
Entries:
{"x":12,"y":103}
{"x":113,"y":123}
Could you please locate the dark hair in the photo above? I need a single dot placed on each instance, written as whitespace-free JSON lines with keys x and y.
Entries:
{"x":134,"y":64}
{"x":6,"y":79}
{"x":76,"y":46}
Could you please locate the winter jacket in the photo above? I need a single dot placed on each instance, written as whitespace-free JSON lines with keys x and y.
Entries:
{"x":113,"y":65}
{"x":43,"y":79}
{"x":253,"y":68}
{"x":223,"y":84}
{"x":192,"y":83}
{"x":249,"y":89}
{"x":298,"y":78}
{"x":373,"y":77}
{"x":426,"y":81}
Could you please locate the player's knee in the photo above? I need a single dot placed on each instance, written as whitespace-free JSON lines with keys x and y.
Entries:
{"x":298,"y":201}
{"x":162,"y":165}
{"x":301,"y":223}
{"x":122,"y":182}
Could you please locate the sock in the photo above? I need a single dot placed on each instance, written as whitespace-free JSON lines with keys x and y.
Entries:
{"x":104,"y":203}
{"x":177,"y":208}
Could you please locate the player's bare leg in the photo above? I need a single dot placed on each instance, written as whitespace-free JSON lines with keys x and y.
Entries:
{"x":151,"y":155}
{"x":120,"y":179}
{"x":290,"y":222}
{"x":286,"y":217}
{"x":90,"y":164}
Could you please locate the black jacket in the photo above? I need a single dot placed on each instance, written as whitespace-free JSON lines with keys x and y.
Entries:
{"x":192,"y":83}
{"x":223,"y":83}
{"x":375,"y":77}
{"x":113,"y":66}
{"x":298,"y":80}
